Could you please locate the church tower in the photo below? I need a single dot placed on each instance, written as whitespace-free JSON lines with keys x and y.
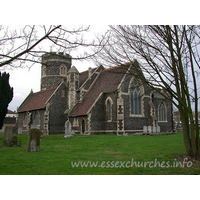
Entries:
{"x":54,"y":68}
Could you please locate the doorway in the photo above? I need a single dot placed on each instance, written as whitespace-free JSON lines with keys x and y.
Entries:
{"x":83,"y":126}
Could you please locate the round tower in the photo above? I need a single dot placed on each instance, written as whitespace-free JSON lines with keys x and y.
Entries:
{"x":54,"y":68}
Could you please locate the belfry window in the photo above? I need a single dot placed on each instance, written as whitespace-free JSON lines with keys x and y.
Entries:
{"x":162,"y":113}
{"x":63,"y":70}
{"x":136,"y":108}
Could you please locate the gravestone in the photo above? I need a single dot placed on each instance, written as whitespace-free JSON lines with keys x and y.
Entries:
{"x":20,"y":130}
{"x":34,"y":126}
{"x":149,"y":129}
{"x":16,"y":142}
{"x":154,"y":129}
{"x":158,"y":129}
{"x":144,"y":129}
{"x":34,"y":140}
{"x":8,"y":134}
{"x":68,"y":130}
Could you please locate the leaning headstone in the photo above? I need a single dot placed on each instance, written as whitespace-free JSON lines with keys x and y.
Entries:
{"x":144,"y":129}
{"x":149,"y":129}
{"x":68,"y":130}
{"x":8,"y":133}
{"x":34,"y":140}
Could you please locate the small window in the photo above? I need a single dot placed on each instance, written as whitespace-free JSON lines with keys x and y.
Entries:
{"x":26,"y":119}
{"x":63,"y":70}
{"x":162,"y":113}
{"x":75,"y":122}
{"x":109,"y":109}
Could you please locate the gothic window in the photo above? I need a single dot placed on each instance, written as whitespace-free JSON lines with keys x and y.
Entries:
{"x":83,"y":126}
{"x":26,"y":119}
{"x":75,"y":122}
{"x":109,"y":109}
{"x":63,"y":70}
{"x":162,"y":113}
{"x":136,"y":102}
{"x":72,"y":77}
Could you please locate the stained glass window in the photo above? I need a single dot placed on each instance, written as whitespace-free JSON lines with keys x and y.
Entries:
{"x":135,"y":99}
{"x":162,"y":113}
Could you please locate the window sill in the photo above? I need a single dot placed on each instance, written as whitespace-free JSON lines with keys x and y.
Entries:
{"x":137,"y":116}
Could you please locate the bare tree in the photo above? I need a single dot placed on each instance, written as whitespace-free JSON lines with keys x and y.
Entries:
{"x":25,"y":46}
{"x":170,"y":62}
{"x":18,"y":46}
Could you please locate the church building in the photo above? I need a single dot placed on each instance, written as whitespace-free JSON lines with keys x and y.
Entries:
{"x":96,"y":101}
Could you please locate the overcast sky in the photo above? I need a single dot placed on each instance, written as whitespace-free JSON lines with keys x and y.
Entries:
{"x":23,"y":80}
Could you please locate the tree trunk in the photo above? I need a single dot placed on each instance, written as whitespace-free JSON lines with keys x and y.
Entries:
{"x":186,"y":133}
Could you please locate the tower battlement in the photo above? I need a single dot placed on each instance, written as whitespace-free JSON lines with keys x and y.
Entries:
{"x":54,"y":67}
{"x":56,"y":56}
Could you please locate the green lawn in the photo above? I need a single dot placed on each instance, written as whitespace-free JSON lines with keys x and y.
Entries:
{"x":112,"y":154}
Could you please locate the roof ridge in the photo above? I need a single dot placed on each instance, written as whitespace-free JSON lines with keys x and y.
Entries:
{"x":111,"y":68}
{"x":35,"y":101}
{"x":88,"y":70}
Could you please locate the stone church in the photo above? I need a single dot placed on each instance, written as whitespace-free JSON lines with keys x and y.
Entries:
{"x":96,"y":101}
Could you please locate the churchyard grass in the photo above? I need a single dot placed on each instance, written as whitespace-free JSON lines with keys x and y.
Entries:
{"x":112,"y":154}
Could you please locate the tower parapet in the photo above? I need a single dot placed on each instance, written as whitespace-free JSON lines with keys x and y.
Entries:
{"x":54,"y":67}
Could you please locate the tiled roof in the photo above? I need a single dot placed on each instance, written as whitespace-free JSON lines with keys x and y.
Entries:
{"x":83,"y":76}
{"x":108,"y":81}
{"x":37,"y":100}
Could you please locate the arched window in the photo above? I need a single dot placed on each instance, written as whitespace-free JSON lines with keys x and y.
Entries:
{"x":63,"y":70}
{"x":136,"y":105}
{"x":162,"y":113}
{"x":109,"y":109}
{"x":26,"y":119}
{"x":83,"y":126}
